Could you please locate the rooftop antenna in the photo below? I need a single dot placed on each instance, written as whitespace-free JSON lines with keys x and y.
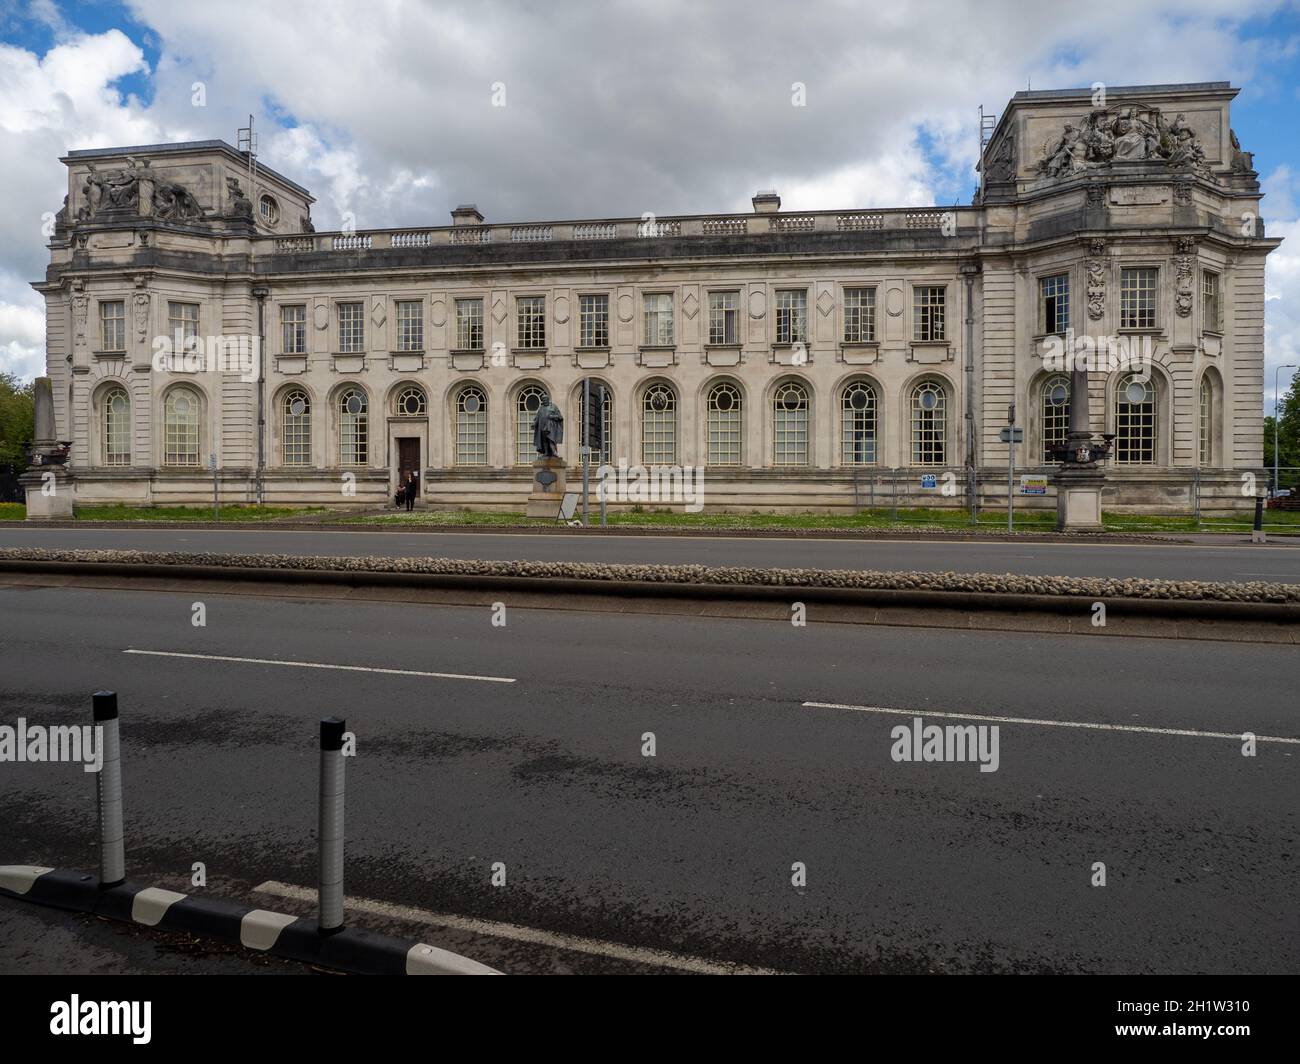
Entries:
{"x":246,"y":141}
{"x":988,"y":123}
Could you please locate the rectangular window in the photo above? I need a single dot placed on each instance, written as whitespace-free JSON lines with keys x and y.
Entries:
{"x":792,"y":316}
{"x":593,"y":321}
{"x":659,"y":320}
{"x":531,"y":312}
{"x":293,"y":329}
{"x":928,"y":305}
{"x":1054,"y":303}
{"x":859,"y":315}
{"x":469,"y":324}
{"x":112,"y":325}
{"x":410,"y":325}
{"x":722,"y":317}
{"x":1211,"y":310}
{"x":182,"y":321}
{"x":352,"y":327}
{"x":1137,"y":298}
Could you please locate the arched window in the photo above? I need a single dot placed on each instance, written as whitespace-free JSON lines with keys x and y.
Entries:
{"x":929,"y":415}
{"x":790,"y":425}
{"x":1205,"y":449}
{"x":1135,"y":421}
{"x":296,"y":439}
{"x":410,"y":402}
{"x":354,"y":427}
{"x":858,"y":424}
{"x":659,"y":426}
{"x":1054,"y":412}
{"x":531,"y":398}
{"x":471,"y":426}
{"x":115,"y":416}
{"x":606,"y":423}
{"x":725,"y":425}
{"x":181,"y":428}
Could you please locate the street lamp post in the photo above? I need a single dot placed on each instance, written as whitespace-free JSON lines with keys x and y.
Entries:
{"x":1277,"y":418}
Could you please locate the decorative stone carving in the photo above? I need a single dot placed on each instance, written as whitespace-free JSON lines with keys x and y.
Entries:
{"x":240,"y":206}
{"x":175,"y":203}
{"x":1137,"y":133}
{"x":1002,"y":166}
{"x":141,"y":302}
{"x":305,"y":225}
{"x":1243,"y":162}
{"x":1183,"y":193}
{"x":1096,"y":196}
{"x":1096,"y":266}
{"x":80,"y":306}
{"x":1184,"y":266}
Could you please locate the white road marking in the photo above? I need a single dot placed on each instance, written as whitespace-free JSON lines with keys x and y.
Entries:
{"x":322,"y":665}
{"x":1050,"y":723}
{"x":684,"y":962}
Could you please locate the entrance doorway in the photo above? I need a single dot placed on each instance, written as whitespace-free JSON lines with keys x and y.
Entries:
{"x":408,"y":459}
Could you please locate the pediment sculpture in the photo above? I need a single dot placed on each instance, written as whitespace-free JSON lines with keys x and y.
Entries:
{"x":136,"y":190}
{"x":1136,"y":133}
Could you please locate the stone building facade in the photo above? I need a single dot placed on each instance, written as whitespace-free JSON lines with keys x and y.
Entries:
{"x":814,"y":360}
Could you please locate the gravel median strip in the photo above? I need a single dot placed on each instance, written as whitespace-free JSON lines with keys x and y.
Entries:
{"x":722,"y":576}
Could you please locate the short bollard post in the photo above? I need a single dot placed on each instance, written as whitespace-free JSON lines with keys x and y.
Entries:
{"x":330,"y":833}
{"x":108,"y":787}
{"x":1257,"y":534}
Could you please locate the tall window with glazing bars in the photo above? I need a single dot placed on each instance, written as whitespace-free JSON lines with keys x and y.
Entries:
{"x":531,"y":314}
{"x":593,"y":320}
{"x":859,"y":315}
{"x":410,"y":325}
{"x":293,"y":329}
{"x":928,"y":312}
{"x":1054,"y":303}
{"x":792,"y":316}
{"x":352,"y":327}
{"x":469,"y":324}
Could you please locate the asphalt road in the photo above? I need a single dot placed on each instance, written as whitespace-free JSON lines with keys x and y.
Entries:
{"x":910,"y":867}
{"x":1174,"y":562}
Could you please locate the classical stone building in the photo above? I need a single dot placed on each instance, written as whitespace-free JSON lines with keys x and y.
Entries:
{"x":807,"y":360}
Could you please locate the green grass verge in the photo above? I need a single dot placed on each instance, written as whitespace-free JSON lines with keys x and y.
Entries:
{"x":990,"y":520}
{"x":14,"y":511}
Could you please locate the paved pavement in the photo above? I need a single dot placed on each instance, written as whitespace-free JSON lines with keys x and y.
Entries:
{"x":1238,"y":562}
{"x":910,"y":867}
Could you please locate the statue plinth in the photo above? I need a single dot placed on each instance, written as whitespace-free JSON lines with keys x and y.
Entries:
{"x":548,"y":488}
{"x":49,"y":493}
{"x":1078,"y":498}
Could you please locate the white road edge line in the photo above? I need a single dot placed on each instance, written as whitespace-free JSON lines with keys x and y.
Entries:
{"x":517,"y":933}
{"x":320,"y":665}
{"x":1049,"y":723}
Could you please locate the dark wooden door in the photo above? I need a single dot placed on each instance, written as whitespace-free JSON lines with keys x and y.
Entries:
{"x":408,"y":457}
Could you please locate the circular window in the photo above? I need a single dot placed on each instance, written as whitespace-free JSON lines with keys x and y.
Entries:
{"x":1136,"y":392}
{"x":354,"y":404}
{"x":724,"y":400}
{"x":1058,"y":395}
{"x":471,"y":403}
{"x":297,"y":406}
{"x":410,"y":403}
{"x":117,"y":404}
{"x":534,"y":401}
{"x":269,"y":209}
{"x":929,"y":400}
{"x":659,"y":399}
{"x":181,"y":405}
{"x":859,"y":399}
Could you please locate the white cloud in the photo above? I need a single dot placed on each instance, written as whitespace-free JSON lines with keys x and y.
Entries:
{"x":668,"y":106}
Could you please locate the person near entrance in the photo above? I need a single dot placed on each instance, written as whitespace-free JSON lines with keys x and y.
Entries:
{"x":412,"y":489}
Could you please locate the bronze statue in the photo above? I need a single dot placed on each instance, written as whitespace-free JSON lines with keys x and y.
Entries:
{"x":548,"y":430}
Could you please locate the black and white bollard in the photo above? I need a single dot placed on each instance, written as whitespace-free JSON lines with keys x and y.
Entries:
{"x":108,"y":785}
{"x":330,"y":833}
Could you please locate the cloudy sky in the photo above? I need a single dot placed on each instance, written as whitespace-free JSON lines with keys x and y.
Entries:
{"x":384,"y":108}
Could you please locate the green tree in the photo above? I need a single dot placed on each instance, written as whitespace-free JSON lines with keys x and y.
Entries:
{"x":1288,"y":431}
{"x":17,"y":420}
